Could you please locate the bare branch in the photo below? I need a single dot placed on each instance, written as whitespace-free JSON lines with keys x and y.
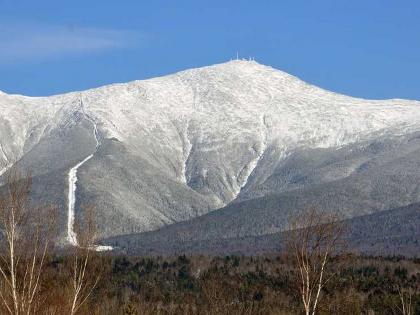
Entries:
{"x":314,"y":237}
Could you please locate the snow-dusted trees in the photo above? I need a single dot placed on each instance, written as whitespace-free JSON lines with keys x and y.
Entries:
{"x":25,"y":238}
{"x":314,"y":238}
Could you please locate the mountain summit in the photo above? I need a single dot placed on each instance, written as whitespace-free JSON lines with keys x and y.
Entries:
{"x":154,"y":152}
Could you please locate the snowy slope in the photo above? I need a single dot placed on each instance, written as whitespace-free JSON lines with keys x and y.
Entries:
{"x":205,"y":136}
{"x":216,"y":111}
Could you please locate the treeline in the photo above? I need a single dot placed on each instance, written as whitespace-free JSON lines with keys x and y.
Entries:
{"x":230,"y":285}
{"x":314,"y":273}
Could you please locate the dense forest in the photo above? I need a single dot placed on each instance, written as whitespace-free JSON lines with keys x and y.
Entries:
{"x":314,"y":273}
{"x":230,"y":285}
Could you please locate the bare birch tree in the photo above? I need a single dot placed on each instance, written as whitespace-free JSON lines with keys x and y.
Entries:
{"x":405,"y":296}
{"x":26,"y":237}
{"x":83,"y":282}
{"x":314,"y":238}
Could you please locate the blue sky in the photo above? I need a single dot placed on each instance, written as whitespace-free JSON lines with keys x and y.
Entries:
{"x":363,"y":48}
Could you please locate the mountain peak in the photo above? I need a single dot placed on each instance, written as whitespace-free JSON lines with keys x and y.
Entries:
{"x":194,"y":141}
{"x":253,"y":68}
{"x":234,"y":65}
{"x":242,"y":64}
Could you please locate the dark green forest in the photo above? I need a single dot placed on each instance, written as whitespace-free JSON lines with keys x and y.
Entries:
{"x":231,"y":285}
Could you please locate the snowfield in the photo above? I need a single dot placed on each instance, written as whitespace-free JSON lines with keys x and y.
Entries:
{"x":204,"y":135}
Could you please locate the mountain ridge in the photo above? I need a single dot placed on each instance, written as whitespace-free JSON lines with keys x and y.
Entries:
{"x":179,"y":146}
{"x":387,"y":233}
{"x":213,"y":66}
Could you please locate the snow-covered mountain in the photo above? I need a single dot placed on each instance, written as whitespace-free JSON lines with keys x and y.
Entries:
{"x":154,"y":152}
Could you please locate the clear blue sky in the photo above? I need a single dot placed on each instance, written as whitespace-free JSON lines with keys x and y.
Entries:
{"x":366,"y":48}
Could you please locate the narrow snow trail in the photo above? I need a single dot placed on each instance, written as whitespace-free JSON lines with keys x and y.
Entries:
{"x":2,"y":171}
{"x":8,"y":164}
{"x":72,"y":177}
{"x":4,"y":153}
{"x":253,"y":163}
{"x":71,"y":235}
{"x":187,"y":151}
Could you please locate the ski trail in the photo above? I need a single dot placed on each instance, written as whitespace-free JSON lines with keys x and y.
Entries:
{"x":71,"y":235}
{"x":72,"y":177}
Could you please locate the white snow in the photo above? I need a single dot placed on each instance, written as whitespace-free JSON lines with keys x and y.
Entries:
{"x":4,"y":153}
{"x":226,"y":104}
{"x":253,"y":164}
{"x":187,"y":147}
{"x":6,"y":160}
{"x":3,"y":170}
{"x":72,"y":179}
